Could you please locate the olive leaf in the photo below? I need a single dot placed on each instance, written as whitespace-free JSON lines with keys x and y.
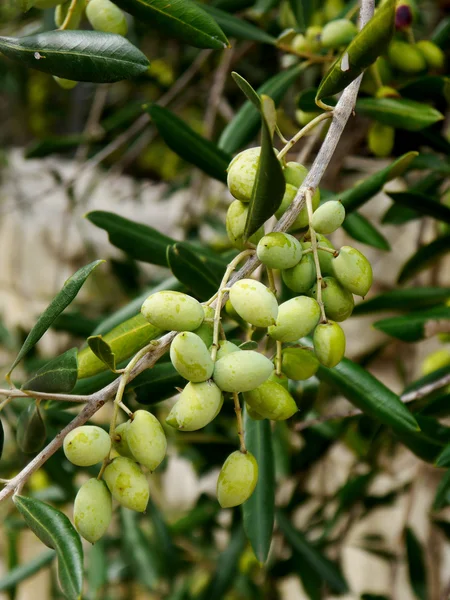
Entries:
{"x":31,"y":432}
{"x":237,"y":28}
{"x":361,"y":229}
{"x":102,"y":350}
{"x":156,"y":384}
{"x":2,"y":438}
{"x":403,"y":300}
{"x":23,"y":572}
{"x":412,"y":327}
{"x":424,"y":257}
{"x":59,"y":375}
{"x":399,"y":112}
{"x":416,"y":565}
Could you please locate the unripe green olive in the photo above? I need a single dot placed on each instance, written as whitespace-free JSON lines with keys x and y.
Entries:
{"x":313,"y":35}
{"x":279,"y":250}
{"x":87,"y":445}
{"x":237,"y":479}
{"x":198,"y":405}
{"x":299,"y":364}
{"x":338,"y":301}
{"x":296,"y":318}
{"x":191,"y":357}
{"x":304,"y":117}
{"x":242,"y":371}
{"x":253,"y":414}
{"x":333,"y":8}
{"x":380,"y":139}
{"x":387,"y":92}
{"x":338,"y":33}
{"x":433,"y":55}
{"x":353,"y":271}
{"x":173,"y":310}
{"x":302,"y":218}
{"x":254,"y":302}
{"x":295,"y":173}
{"x":146,"y":439}
{"x":226,"y":347}
{"x":65,"y":84}
{"x":406,"y":57}
{"x":62,"y":10}
{"x":325,"y":258}
{"x":105,"y":16}
{"x":127,"y":483}
{"x":299,"y":43}
{"x":301,"y":277}
{"x":328,"y":217}
{"x":235,"y":224}
{"x":242,"y":173}
{"x":206,"y":329}
{"x":436,"y":360}
{"x":92,"y":510}
{"x":329,"y":343}
{"x":281,"y":379}
{"x":120,"y":442}
{"x":272,"y":401}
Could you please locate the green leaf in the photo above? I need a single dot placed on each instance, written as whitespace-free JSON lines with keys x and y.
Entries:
{"x":424,"y":257}
{"x":443,"y":460}
{"x":23,"y":572}
{"x":370,"y":43}
{"x":156,"y":384}
{"x":259,"y":510}
{"x":182,"y":19}
{"x":367,"y":189}
{"x":412,"y":326}
{"x":31,"y":432}
{"x":142,"y":557}
{"x":327,"y":570}
{"x":426,"y":379}
{"x":188,"y":144}
{"x":57,"y":376}
{"x":247,"y":89}
{"x":78,"y":55}
{"x":244,"y":126}
{"x":442,"y":497}
{"x":399,"y":112}
{"x":55,"y":530}
{"x":361,"y":229}
{"x":261,"y":7}
{"x":404,"y":300}
{"x":422,"y":204}
{"x":397,"y":215}
{"x":199,"y":274}
{"x":303,"y":11}
{"x":102,"y":351}
{"x":55,"y":308}
{"x":441,"y":35}
{"x":269,"y":186}
{"x":429,"y":442}
{"x":2,"y":438}
{"x":416,"y":565}
{"x":428,"y":87}
{"x":238,"y":28}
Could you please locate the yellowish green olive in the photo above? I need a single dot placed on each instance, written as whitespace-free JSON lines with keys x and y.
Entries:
{"x":226,"y":347}
{"x":173,"y":311}
{"x":87,"y":445}
{"x":325,"y":257}
{"x":299,"y":364}
{"x":353,"y":271}
{"x":272,"y":401}
{"x":198,"y":405}
{"x":127,"y":483}
{"x":295,"y":173}
{"x":191,"y":357}
{"x":205,"y":331}
{"x":337,"y":33}
{"x":237,"y":479}
{"x":254,"y":302}
{"x":242,"y":173}
{"x":120,"y":442}
{"x":304,"y":117}
{"x":436,"y":360}
{"x":329,"y":343}
{"x":253,"y":414}
{"x":328,"y":217}
{"x":406,"y":57}
{"x":338,"y":301}
{"x":105,"y":16}
{"x":380,"y":139}
{"x":146,"y":439}
{"x":65,"y":84}
{"x":281,"y":379}
{"x":242,"y":371}
{"x":301,"y":277}
{"x":235,"y":224}
{"x":279,"y":250}
{"x":296,"y":318}
{"x":92,"y":510}
{"x":433,"y":55}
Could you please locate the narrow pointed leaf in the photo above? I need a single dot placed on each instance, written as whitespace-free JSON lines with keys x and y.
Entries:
{"x":397,"y":214}
{"x":261,"y":7}
{"x":429,"y":442}
{"x":2,"y":438}
{"x":188,"y":144}
{"x":247,"y":89}
{"x":443,"y":460}
{"x":142,"y":556}
{"x":403,"y":300}
{"x":427,"y":379}
{"x":57,"y":376}
{"x":441,"y":35}
{"x":422,"y":204}
{"x":327,"y":570}
{"x":303,"y":11}
{"x":55,"y":530}
{"x":31,"y":432}
{"x":156,"y":384}
{"x":425,"y":257}
{"x":372,"y":41}
{"x":269,"y":186}
{"x":428,"y":87}
{"x":412,"y":327}
{"x":78,"y":55}
{"x":23,"y":572}
{"x":237,"y":28}
{"x":442,"y":497}
{"x":361,"y":229}
{"x":416,"y":565}
{"x":399,"y":112}
{"x":102,"y":351}
{"x":182,"y":19}
{"x":259,"y":510}
{"x":55,"y":308}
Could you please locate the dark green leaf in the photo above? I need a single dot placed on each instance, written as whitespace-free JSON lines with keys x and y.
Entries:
{"x":55,"y":308}
{"x":244,"y":126}
{"x":55,"y":530}
{"x":328,"y":571}
{"x":58,"y":376}
{"x":427,"y":379}
{"x":78,"y":55}
{"x":102,"y":350}
{"x":428,"y":443}
{"x":259,"y":510}
{"x":422,"y":204}
{"x":444,"y":526}
{"x":425,"y":257}
{"x":437,"y":406}
{"x":361,"y":229}
{"x":303,"y":11}
{"x":404,"y":300}
{"x":53,"y":145}
{"x":188,"y":144}
{"x":363,"y":50}
{"x":247,"y":89}
{"x":443,"y":460}
{"x":75,"y":323}
{"x":441,"y":35}
{"x":23,"y":572}
{"x":142,"y":556}
{"x":442,"y":497}
{"x":428,"y":87}
{"x":412,"y":326}
{"x":200,"y":275}
{"x":261,"y":7}
{"x":367,"y":189}
{"x":312,"y":582}
{"x":2,"y":438}
{"x":269,"y":186}
{"x":416,"y":565}
{"x":399,"y":112}
{"x":182,"y":19}
{"x":238,"y":28}
{"x":157,"y":384}
{"x":397,"y":215}
{"x":31,"y":432}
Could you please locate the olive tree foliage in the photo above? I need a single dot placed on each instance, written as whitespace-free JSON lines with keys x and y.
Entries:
{"x":242,"y":343}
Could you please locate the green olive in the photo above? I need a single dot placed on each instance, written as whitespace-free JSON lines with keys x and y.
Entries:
{"x":253,"y":414}
{"x":146,"y":439}
{"x":92,"y":510}
{"x":237,"y":479}
{"x":235,"y":224}
{"x":338,"y":301}
{"x":380,"y":139}
{"x":329,"y":343}
{"x":337,"y":33}
{"x":272,"y":401}
{"x":87,"y":445}
{"x":280,"y":379}
{"x":198,"y":405}
{"x":254,"y":302}
{"x":328,"y":217}
{"x":226,"y":347}
{"x":302,"y":219}
{"x":406,"y":57}
{"x":127,"y":483}
{"x":205,"y":331}
{"x":353,"y":271}
{"x":242,"y":173}
{"x":295,"y":173}
{"x":279,"y":250}
{"x":299,"y":364}
{"x":65,"y":84}
{"x":120,"y":442}
{"x":191,"y":357}
{"x":301,"y":277}
{"x":296,"y":318}
{"x":242,"y":371}
{"x":173,"y":311}
{"x":105,"y":16}
{"x":433,"y":55}
{"x":436,"y":360}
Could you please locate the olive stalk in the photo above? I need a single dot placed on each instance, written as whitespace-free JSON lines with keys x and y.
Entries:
{"x":240,"y":424}
{"x":306,"y":129}
{"x":69,"y":15}
{"x":314,"y":247}
{"x":279,"y":358}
